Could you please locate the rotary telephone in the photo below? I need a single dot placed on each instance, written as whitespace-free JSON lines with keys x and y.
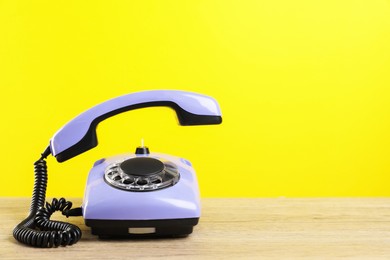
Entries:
{"x":139,"y":194}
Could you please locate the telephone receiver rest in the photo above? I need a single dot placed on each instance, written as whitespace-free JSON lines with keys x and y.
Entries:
{"x":79,"y":135}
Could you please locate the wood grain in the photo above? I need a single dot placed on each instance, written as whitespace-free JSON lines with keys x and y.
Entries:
{"x":357,"y":228}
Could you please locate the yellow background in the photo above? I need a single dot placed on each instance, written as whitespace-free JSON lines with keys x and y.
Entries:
{"x":304,"y":88}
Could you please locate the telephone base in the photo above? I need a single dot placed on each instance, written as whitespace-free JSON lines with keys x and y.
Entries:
{"x":142,"y":228}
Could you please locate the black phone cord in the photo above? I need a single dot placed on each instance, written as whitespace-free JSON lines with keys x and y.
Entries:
{"x":37,"y":229}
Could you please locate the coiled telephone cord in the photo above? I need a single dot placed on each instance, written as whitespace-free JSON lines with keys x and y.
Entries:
{"x":37,"y":229}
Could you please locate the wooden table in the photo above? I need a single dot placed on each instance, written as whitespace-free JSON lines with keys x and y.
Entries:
{"x":235,"y":229}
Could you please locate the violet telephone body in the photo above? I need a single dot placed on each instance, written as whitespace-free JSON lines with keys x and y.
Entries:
{"x":131,"y":195}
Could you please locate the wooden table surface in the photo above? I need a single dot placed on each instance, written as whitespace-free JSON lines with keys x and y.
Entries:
{"x":277,"y":228}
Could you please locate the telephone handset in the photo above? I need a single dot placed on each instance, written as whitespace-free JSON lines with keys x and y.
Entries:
{"x":138,"y":194}
{"x":79,"y":135}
